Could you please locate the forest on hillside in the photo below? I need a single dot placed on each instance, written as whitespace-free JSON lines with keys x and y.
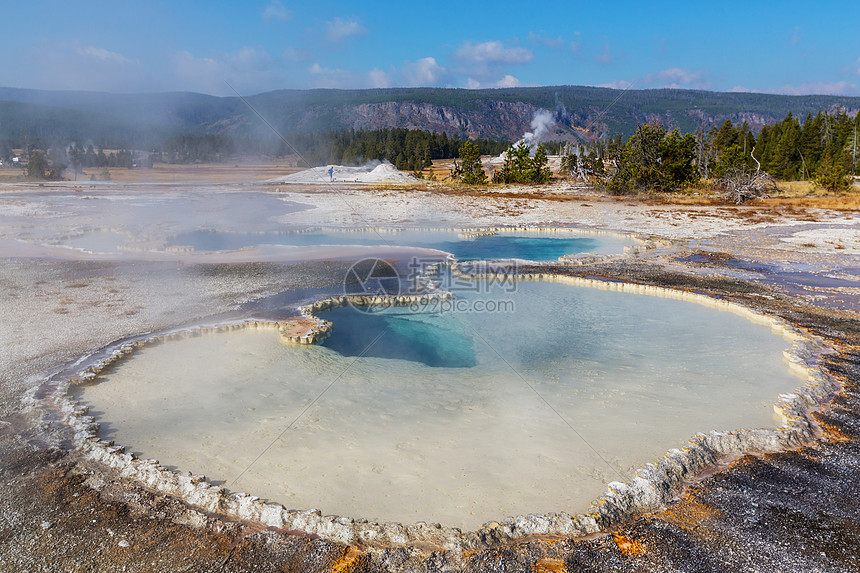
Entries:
{"x":823,"y":148}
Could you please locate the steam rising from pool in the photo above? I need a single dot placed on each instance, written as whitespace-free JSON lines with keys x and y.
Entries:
{"x":437,"y":419}
{"x":533,"y":246}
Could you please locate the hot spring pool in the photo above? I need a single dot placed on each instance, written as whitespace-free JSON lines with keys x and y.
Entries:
{"x":437,"y":419}
{"x":528,"y":245}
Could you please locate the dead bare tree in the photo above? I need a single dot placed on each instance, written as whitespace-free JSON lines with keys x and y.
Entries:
{"x":740,"y":183}
{"x":456,"y":171}
{"x":575,"y":167}
{"x":854,"y":151}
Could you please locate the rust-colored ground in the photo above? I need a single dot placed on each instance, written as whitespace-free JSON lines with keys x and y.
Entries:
{"x":296,"y":326}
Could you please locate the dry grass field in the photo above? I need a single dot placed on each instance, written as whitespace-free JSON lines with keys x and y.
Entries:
{"x":205,"y":173}
{"x":792,"y":194}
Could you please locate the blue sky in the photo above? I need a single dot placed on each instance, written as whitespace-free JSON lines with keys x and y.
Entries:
{"x":130,"y":46}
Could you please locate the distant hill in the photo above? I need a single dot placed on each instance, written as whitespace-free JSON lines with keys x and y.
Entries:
{"x":579,"y":112}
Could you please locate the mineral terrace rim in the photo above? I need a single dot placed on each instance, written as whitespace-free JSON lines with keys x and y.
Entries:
{"x":650,"y":487}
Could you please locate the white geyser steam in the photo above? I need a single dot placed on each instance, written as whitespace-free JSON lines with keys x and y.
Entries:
{"x":541,"y":123}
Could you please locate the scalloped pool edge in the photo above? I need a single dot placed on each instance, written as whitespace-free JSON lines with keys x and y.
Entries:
{"x":649,"y":489}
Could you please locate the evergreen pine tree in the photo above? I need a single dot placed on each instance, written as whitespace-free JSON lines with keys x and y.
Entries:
{"x":540,"y":171}
{"x":37,"y":166}
{"x":470,"y":163}
{"x":831,"y":175}
{"x":787,"y":154}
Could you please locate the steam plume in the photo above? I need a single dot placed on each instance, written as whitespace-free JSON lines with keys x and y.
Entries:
{"x":541,"y":123}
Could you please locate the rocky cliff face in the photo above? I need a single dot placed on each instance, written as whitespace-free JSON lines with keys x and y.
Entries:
{"x":504,"y":116}
{"x":755,"y":120}
{"x":502,"y":120}
{"x":491,"y":119}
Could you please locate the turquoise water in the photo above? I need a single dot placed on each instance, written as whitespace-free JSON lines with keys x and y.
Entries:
{"x":460,"y":416}
{"x":430,"y":339}
{"x":533,"y":246}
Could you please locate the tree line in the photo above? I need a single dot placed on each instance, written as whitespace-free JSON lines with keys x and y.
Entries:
{"x":406,"y":149}
{"x":56,"y":160}
{"x":794,"y":150}
{"x":822,"y":148}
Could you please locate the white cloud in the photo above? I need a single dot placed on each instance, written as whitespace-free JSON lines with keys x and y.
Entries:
{"x":617,"y":85}
{"x":544,"y":40}
{"x":425,"y":72}
{"x":70,"y":65}
{"x":739,"y":89}
{"x":674,"y":78}
{"x":485,"y":63}
{"x":247,"y":70}
{"x":317,"y":69}
{"x":186,"y":64}
{"x":378,"y":78}
{"x":102,"y":54}
{"x":842,"y":88}
{"x":276,"y":11}
{"x":605,"y":57}
{"x":340,"y":29}
{"x":322,"y":77}
{"x":678,"y":78}
{"x":493,"y":53}
{"x":508,"y":81}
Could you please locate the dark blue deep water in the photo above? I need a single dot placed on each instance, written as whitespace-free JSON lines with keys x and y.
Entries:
{"x":432,"y":339}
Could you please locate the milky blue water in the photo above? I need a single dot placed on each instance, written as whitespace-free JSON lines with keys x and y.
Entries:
{"x":533,"y":246}
{"x":492,"y":406}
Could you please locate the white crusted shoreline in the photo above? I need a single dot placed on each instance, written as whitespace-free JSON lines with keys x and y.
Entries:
{"x":650,"y":488}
